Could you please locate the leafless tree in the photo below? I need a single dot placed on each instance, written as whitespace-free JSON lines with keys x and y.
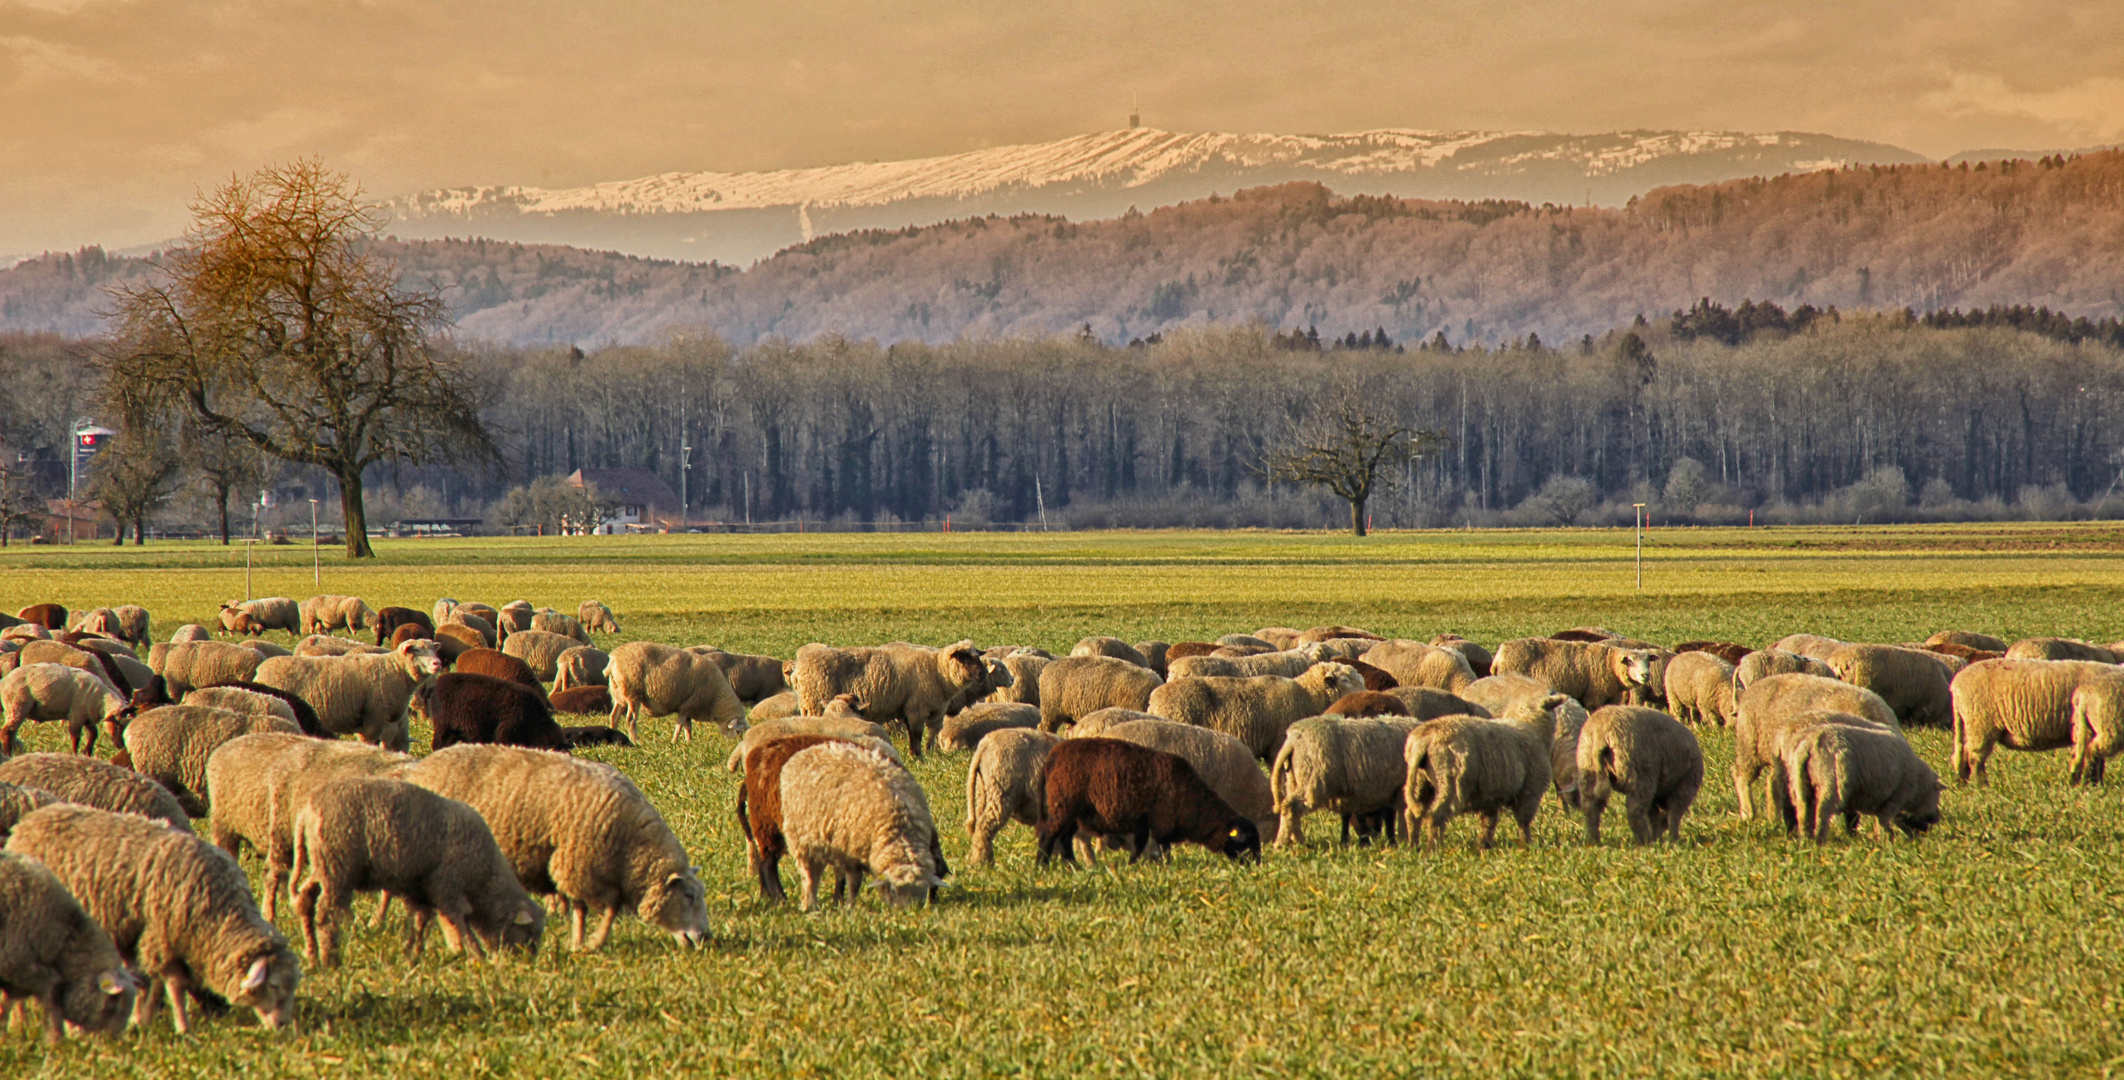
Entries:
{"x":1351,"y":447}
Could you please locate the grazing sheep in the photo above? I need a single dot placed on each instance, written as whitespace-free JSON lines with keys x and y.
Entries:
{"x":390,"y":619}
{"x":1470,"y":765}
{"x":327,"y":645}
{"x":50,"y":616}
{"x":1184,"y":649}
{"x":102,"y":622}
{"x":17,"y":801}
{"x":25,"y":631}
{"x":595,"y":735}
{"x":1595,"y":674}
{"x":1569,"y":719}
{"x":777,"y":707}
{"x":1099,"y":721}
{"x":759,"y":804}
{"x":1913,"y":682}
{"x":499,"y":665}
{"x":1497,"y":692}
{"x":2037,"y":705}
{"x":1330,"y":633}
{"x":553,"y":622}
{"x":377,"y":834}
{"x":443,"y":607}
{"x":1119,"y":788}
{"x":256,"y":782}
{"x":487,"y":614}
{"x":1478,"y":658}
{"x":851,"y":809}
{"x":178,"y":909}
{"x":296,"y":708}
{"x":663,"y":681}
{"x":2051,"y":648}
{"x":583,"y":701}
{"x":1585,"y":634}
{"x":171,"y":745}
{"x":1272,"y":639}
{"x":1287,"y":663}
{"x":1369,"y":703}
{"x":1700,"y":689}
{"x":1964,"y":653}
{"x":577,"y":829}
{"x":258,"y":616}
{"x":1845,"y":770}
{"x":1814,"y":646}
{"x":414,"y":632}
{"x":464,"y":708}
{"x":909,"y":683}
{"x":1968,"y":639}
{"x":236,"y":699}
{"x":100,"y":664}
{"x":462,"y":616}
{"x":363,"y":696}
{"x":78,"y":778}
{"x":583,"y":665}
{"x":1648,"y":756}
{"x":964,"y":730}
{"x":1223,"y":762}
{"x":1763,"y":663}
{"x":596,"y":616}
{"x":186,"y":666}
{"x":1254,"y":710}
{"x":1003,"y":785}
{"x":191,"y":631}
{"x":53,"y":953}
{"x":1110,"y":646}
{"x":752,"y":677}
{"x":1413,"y":663}
{"x":456,"y":639}
{"x":1025,"y":667}
{"x":1345,"y":765}
{"x":541,"y":649}
{"x":331,"y":612}
{"x":1425,"y":703}
{"x":43,"y":692}
{"x":1773,"y":703}
{"x":842,"y":721}
{"x":1154,"y":653}
{"x":1729,"y":651}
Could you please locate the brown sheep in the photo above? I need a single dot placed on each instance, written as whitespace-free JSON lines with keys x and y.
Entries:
{"x":1964,"y":653}
{"x":1479,"y":658}
{"x":390,"y":619}
{"x":1368,"y":703}
{"x":583,"y":701}
{"x":1183,"y":649}
{"x":1374,"y":678}
{"x":1969,"y":640}
{"x":50,"y":616}
{"x":499,"y":665}
{"x":1329,"y":633}
{"x":1119,"y":788}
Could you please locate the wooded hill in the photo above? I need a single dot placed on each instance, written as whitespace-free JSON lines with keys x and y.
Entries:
{"x":2048,"y":232}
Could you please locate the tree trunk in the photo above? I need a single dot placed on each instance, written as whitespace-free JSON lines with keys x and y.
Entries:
{"x":1357,"y":517}
{"x":140,"y":531}
{"x":357,"y":518}
{"x":221,"y":499}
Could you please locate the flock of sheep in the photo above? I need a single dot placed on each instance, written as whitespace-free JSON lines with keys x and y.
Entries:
{"x":110,"y":902}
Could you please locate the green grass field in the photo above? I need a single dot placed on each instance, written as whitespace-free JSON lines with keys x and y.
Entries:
{"x":1989,"y":947}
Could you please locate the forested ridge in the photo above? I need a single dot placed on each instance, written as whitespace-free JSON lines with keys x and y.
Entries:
{"x":1927,"y":237}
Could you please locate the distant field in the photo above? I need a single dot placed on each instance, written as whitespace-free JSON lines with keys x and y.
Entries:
{"x":1988,"y":947}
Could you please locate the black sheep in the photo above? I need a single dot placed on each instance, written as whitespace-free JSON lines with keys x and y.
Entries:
{"x":465,"y":708}
{"x":1120,"y":788}
{"x":596,"y":735}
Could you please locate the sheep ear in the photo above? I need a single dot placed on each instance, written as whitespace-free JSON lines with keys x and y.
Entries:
{"x":256,"y":977}
{"x":1235,"y":834}
{"x":112,"y":983}
{"x":524,"y":917}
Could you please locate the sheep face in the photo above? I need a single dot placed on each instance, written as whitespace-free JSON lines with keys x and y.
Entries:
{"x":1919,"y":819}
{"x":423,"y":658}
{"x":524,"y":930}
{"x":1636,"y":667}
{"x":101,"y":1002}
{"x":1242,"y":841}
{"x":962,"y":664}
{"x":679,"y":905}
{"x":906,"y":885}
{"x":268,"y":987}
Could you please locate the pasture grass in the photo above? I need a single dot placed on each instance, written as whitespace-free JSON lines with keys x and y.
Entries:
{"x":1988,"y":947}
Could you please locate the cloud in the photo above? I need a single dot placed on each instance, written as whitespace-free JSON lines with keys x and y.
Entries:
{"x":36,"y":60}
{"x":2092,"y":108}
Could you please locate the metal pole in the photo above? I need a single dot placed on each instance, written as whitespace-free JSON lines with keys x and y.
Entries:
{"x":1639,"y":517}
{"x":316,"y":556}
{"x":247,"y":546}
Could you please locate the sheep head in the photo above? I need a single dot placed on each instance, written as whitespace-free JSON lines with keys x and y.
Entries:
{"x":422,"y":658}
{"x":960,"y":664}
{"x":268,"y":986}
{"x":678,"y":904}
{"x":1241,"y":841}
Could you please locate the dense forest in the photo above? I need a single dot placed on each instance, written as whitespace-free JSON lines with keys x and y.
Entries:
{"x":2047,"y":232}
{"x":1707,"y":414}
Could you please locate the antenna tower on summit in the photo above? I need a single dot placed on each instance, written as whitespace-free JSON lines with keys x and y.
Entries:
{"x":1135,"y":114}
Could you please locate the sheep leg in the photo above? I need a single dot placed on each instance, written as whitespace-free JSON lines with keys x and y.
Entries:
{"x":174,"y":986}
{"x":8,"y":743}
{"x":603,"y":931}
{"x":383,"y":908}
{"x":1828,"y":806}
{"x":1138,"y":841}
{"x":1489,"y":830}
{"x":1640,"y":815}
{"x":1743,"y":785}
{"x":808,"y":897}
{"x":417,"y":919}
{"x":576,"y":909}
{"x":1595,"y":807}
{"x":457,"y":930}
{"x":54,"y":1020}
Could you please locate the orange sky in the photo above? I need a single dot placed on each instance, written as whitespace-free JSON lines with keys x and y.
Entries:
{"x":113,"y":113}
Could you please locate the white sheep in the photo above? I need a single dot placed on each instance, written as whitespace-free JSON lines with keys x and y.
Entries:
{"x":541,"y":649}
{"x":78,"y":778}
{"x":1763,"y":663}
{"x":1776,"y":701}
{"x":598,"y":617}
{"x":964,"y":730}
{"x":361,"y":695}
{"x":171,"y":744}
{"x":1650,"y":758}
{"x":1073,"y":687}
{"x":1700,"y":689}
{"x":258,"y":616}
{"x":1003,"y":785}
{"x":187,"y":665}
{"x":2035,"y":705}
{"x":330,"y":612}
{"x":913,"y":684}
{"x":1416,"y":663}
{"x":45,"y":692}
{"x":327,"y":645}
{"x":849,"y":809}
{"x":1469,"y":765}
{"x":1255,"y":710}
{"x":583,"y":665}
{"x":1346,"y":766}
{"x":660,"y":680}
{"x":254,"y":783}
{"x":1847,"y":770}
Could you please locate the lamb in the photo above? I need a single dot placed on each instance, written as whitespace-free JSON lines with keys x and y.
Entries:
{"x":1595,"y":674}
{"x":1110,"y":646}
{"x":329,"y":612}
{"x":1223,"y":762}
{"x":1913,"y":682}
{"x":842,"y":721}
{"x":664,"y":681}
{"x":577,"y":829}
{"x":42,"y":692}
{"x":583,"y":666}
{"x":258,"y":616}
{"x":52,"y":952}
{"x":170,"y":746}
{"x":1763,"y":663}
{"x":1025,"y":667}
{"x":1003,"y":785}
{"x":1838,"y":769}
{"x":255,"y":783}
{"x":186,"y":666}
{"x":499,"y":665}
{"x":259,"y":699}
{"x":2037,"y":705}
{"x":327,"y":645}
{"x":1648,"y":756}
{"x":598,"y":617}
{"x":541,"y":649}
{"x":1257,"y":710}
{"x":50,"y":616}
{"x":759,"y":804}
{"x":851,"y":809}
{"x":553,"y":622}
{"x":1413,"y":663}
{"x":364,"y":696}
{"x":1119,"y":788}
{"x":1814,"y":646}
{"x":583,"y":701}
{"x":1700,"y":689}
{"x":1470,"y":765}
{"x":777,"y":707}
{"x":1968,"y":639}
{"x":1425,"y":703}
{"x":366,"y":833}
{"x":514,"y":616}
{"x":965,"y":730}
{"x":15,"y":803}
{"x":1348,"y":766}
{"x":464,"y":708}
{"x":1369,"y":703}
{"x":909,"y":683}
{"x":78,"y":778}
{"x":1479,"y":659}
{"x":753,"y":678}
{"x":390,"y":619}
{"x":1099,"y":721}
{"x":2051,"y":648}
{"x":1773,"y":702}
{"x":176,"y":907}
{"x":191,"y":631}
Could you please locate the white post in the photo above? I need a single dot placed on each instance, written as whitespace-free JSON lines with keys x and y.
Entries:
{"x":1639,"y":519}
{"x":247,"y":545}
{"x":316,"y":556}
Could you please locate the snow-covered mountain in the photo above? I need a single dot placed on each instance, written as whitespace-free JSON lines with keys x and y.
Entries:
{"x":740,"y":217}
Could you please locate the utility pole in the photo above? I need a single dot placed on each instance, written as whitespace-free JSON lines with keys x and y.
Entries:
{"x":1639,"y":518}
{"x":248,"y":544}
{"x":685,"y":468}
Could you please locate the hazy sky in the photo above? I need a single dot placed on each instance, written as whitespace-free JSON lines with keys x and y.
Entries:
{"x":114,"y":113}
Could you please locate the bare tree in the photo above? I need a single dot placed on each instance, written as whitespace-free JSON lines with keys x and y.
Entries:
{"x":20,"y":505}
{"x":223,"y":464}
{"x":277,"y":324}
{"x":134,"y":476}
{"x":1351,"y":448}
